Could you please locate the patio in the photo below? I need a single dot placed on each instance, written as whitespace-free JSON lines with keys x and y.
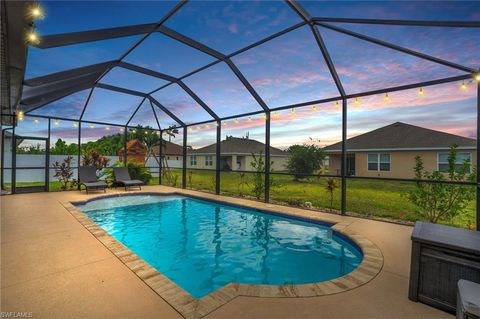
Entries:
{"x":358,"y":119}
{"x":53,"y":266}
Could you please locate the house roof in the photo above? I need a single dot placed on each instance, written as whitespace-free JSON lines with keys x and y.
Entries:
{"x":169,"y":149}
{"x":402,"y":136}
{"x":235,"y":145}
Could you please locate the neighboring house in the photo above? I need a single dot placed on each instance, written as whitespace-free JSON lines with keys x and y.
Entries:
{"x":172,"y":153}
{"x":236,"y":155}
{"x":390,"y":151}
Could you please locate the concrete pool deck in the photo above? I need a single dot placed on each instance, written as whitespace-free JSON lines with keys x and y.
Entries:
{"x":53,"y":267}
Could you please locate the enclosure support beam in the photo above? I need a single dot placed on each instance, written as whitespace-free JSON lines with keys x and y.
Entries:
{"x":267,"y":156}
{"x":343,"y":169}
{"x":397,"y":48}
{"x":79,"y":150}
{"x":136,"y":110}
{"x":14,"y":155}
{"x":184,"y":159}
{"x":418,"y":23}
{"x":125,"y":138}
{"x":218,"y":157}
{"x":160,"y":155}
{"x":478,"y":157}
{"x":165,"y":110}
{"x":47,"y":155}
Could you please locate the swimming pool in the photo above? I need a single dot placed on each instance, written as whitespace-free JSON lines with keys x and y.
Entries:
{"x":203,"y":245}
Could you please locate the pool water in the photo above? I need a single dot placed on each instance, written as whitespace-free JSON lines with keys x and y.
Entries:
{"x":203,"y":245}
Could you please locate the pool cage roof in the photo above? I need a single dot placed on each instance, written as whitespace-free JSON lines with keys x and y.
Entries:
{"x":166,"y":74}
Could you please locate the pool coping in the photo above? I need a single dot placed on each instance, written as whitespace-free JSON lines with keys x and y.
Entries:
{"x":190,"y":307}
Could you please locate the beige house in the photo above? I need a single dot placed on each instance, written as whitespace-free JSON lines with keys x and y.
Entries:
{"x":390,"y":151}
{"x":236,"y":155}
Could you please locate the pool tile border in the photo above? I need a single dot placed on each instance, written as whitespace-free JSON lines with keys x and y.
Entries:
{"x":192,"y":308}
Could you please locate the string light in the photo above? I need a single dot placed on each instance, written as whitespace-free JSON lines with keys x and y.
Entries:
{"x":36,"y":121}
{"x":20,"y":115}
{"x":134,"y":131}
{"x":386,"y":98}
{"x":216,"y":124}
{"x":75,"y":124}
{"x":477,"y":77}
{"x":463,"y":86}
{"x":225,"y":123}
{"x":158,"y":132}
{"x":56,"y":122}
{"x":91,"y":126}
{"x":337,"y":104}
{"x":249,"y":119}
{"x":207,"y":125}
{"x":314,"y":108}
{"x":292,"y":111}
{"x":276,"y":115}
{"x":199,"y":127}
{"x":36,"y":12}
{"x":237,"y":121}
{"x":357,"y":101}
{"x":107,"y":128}
{"x":121,"y":129}
{"x":421,"y":92}
{"x":33,"y":37}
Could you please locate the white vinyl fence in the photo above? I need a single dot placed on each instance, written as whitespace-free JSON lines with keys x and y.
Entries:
{"x":38,"y":175}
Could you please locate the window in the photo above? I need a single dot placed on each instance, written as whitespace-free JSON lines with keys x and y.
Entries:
{"x":193,"y":160}
{"x":461,"y":158}
{"x":379,"y":162}
{"x":209,"y":160}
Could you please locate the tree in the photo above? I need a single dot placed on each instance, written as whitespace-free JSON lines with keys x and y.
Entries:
{"x":304,"y":160}
{"x":61,"y":148}
{"x":437,"y":201}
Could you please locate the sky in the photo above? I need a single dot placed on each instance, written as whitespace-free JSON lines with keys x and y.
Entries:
{"x":287,"y":70}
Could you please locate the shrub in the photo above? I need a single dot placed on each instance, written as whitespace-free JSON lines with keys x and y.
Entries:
{"x":64,"y":173}
{"x":136,"y":171}
{"x":258,"y":179}
{"x":94,"y":158}
{"x":331,"y":186}
{"x":437,"y":201}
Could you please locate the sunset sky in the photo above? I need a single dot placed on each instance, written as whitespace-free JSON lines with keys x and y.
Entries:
{"x":287,"y":70}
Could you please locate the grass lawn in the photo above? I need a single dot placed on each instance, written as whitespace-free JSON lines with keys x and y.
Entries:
{"x":370,"y":198}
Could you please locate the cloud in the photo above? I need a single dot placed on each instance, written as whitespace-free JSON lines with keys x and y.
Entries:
{"x":233,"y":28}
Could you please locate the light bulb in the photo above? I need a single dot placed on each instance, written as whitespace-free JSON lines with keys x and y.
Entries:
{"x":477,"y":77}
{"x":386,"y":98}
{"x":35,"y":12}
{"x":421,"y":92}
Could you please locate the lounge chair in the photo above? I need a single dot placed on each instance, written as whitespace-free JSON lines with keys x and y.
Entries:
{"x":87,"y":176}
{"x":122,"y":177}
